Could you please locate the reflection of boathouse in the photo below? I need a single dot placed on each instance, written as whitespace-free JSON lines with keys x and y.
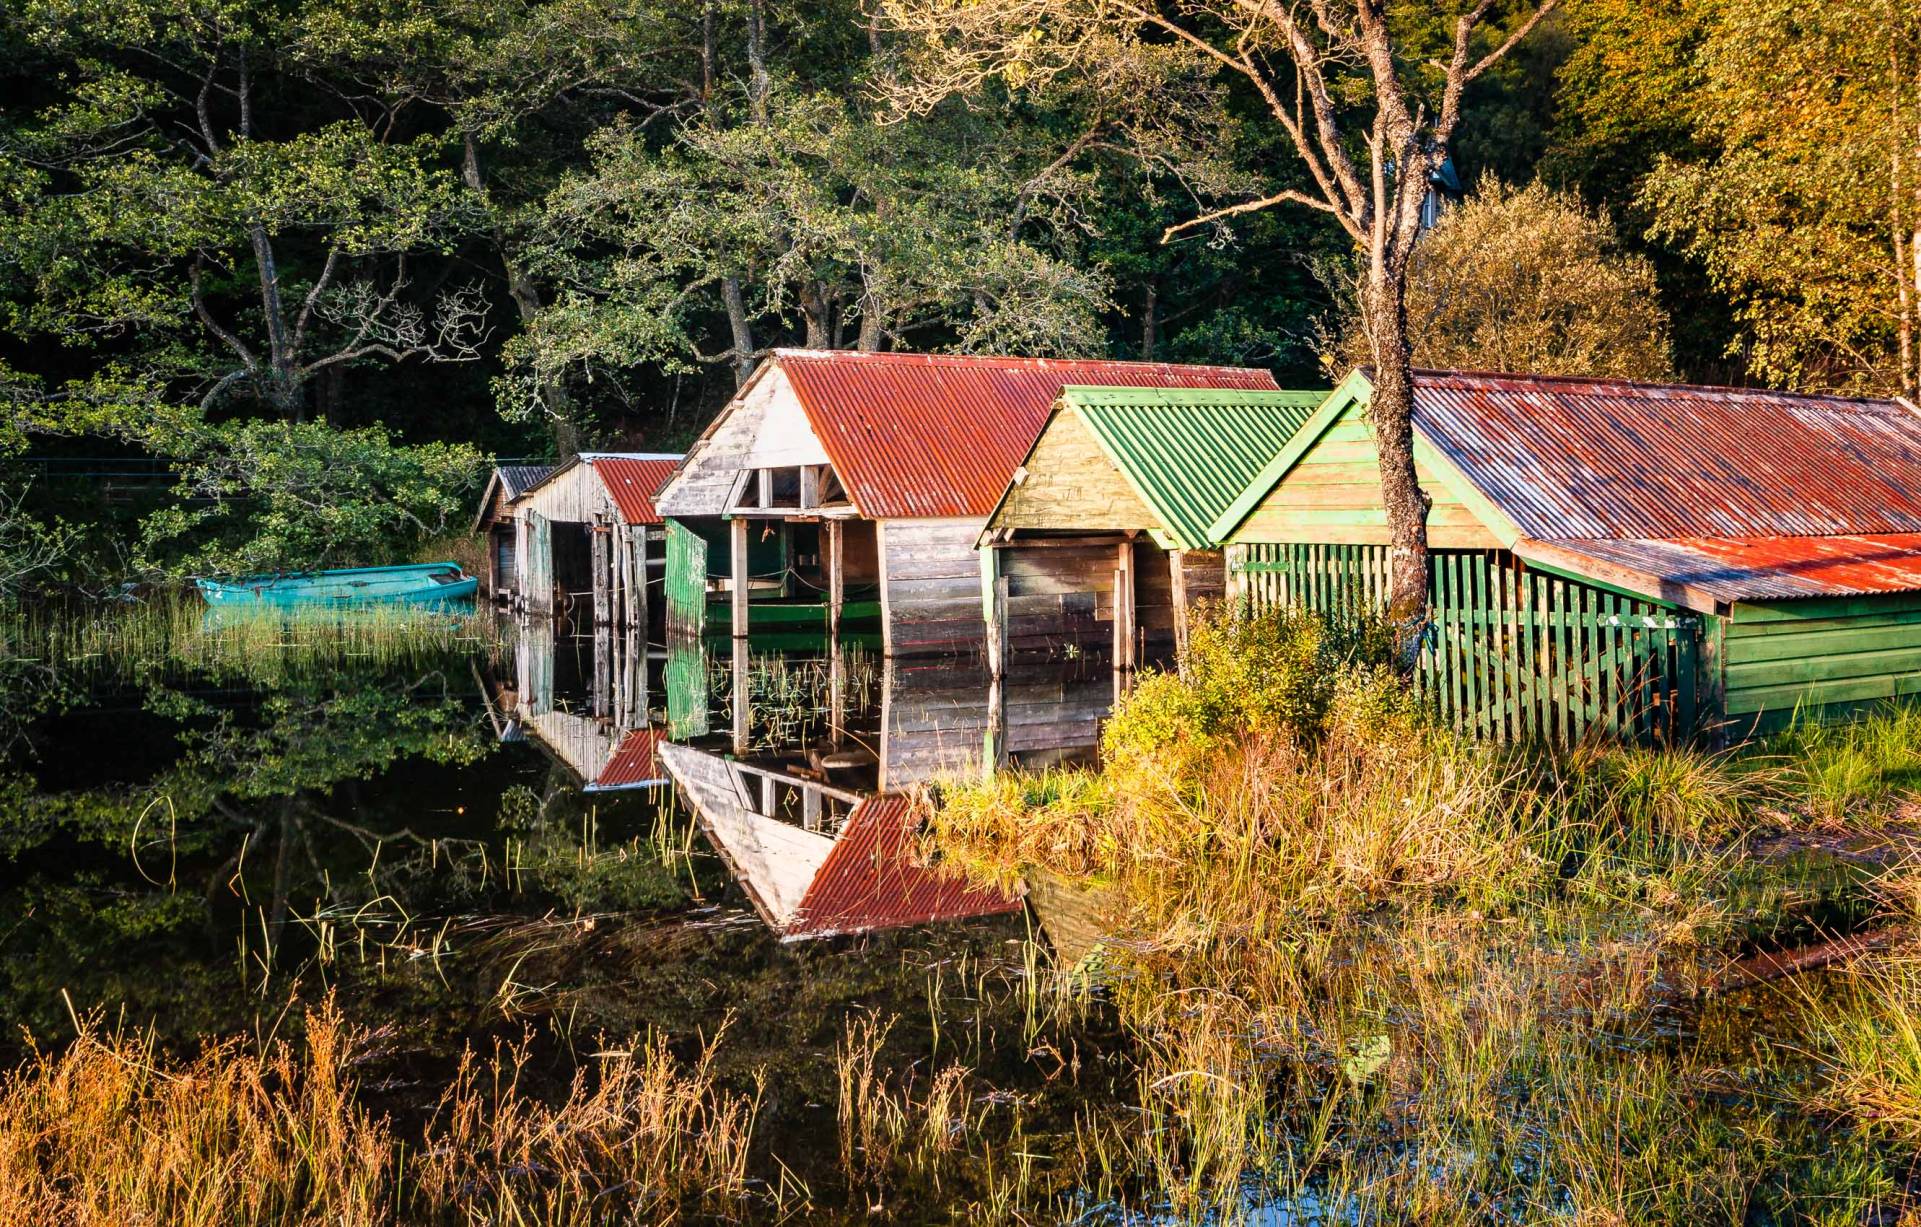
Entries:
{"x":819,"y":861}
{"x":836,"y":476}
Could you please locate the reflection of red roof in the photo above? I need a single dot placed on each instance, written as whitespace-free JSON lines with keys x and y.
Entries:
{"x":1771,"y":568}
{"x":1582,"y":459}
{"x":632,"y":483}
{"x":941,"y":435}
{"x":871,"y":881}
{"x":633,"y":762}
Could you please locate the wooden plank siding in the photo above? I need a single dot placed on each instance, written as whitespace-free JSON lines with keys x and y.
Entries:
{"x":930,"y":586}
{"x":1061,"y":601}
{"x":1332,"y":496}
{"x":1826,"y":659}
{"x":1514,"y":653}
{"x":1069,"y":483}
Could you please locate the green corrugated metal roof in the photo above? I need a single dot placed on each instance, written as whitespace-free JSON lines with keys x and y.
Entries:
{"x":1188,"y":452}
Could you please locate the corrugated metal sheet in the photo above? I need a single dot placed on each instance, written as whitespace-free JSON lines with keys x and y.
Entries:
{"x":517,"y":479}
{"x":940,"y":435}
{"x":633,"y":764}
{"x":632,"y":481}
{"x":1771,"y":568}
{"x":870,"y":880}
{"x":1582,"y":459}
{"x":1190,"y":452}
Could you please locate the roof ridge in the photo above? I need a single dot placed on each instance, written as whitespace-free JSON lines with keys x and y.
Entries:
{"x":1649,"y":384}
{"x":868,"y":356}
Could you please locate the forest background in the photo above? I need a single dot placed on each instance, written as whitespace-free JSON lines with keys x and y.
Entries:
{"x":278,"y":280}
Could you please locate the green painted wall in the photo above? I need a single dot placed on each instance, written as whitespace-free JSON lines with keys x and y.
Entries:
{"x":1827,"y":658}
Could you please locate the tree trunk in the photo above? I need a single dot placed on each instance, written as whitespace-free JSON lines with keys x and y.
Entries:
{"x":743,"y":330}
{"x":1150,"y":323}
{"x":870,"y":324}
{"x":1390,"y":415}
{"x":814,"y":309}
{"x":758,"y":82}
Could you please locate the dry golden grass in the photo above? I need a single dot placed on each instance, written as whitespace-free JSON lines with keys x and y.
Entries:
{"x":103,"y":1133}
{"x":108,"y":1134}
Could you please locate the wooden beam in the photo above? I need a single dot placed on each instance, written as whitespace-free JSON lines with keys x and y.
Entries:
{"x":1177,"y":575}
{"x":1061,"y":543}
{"x":743,"y":707}
{"x":637,"y":584}
{"x":1124,"y":636}
{"x":809,"y":486}
{"x":737,"y":530}
{"x":764,"y":478}
{"x":886,"y":599}
{"x":834,"y":559}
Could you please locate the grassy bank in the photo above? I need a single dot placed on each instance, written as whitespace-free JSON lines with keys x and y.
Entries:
{"x":1381,"y":972}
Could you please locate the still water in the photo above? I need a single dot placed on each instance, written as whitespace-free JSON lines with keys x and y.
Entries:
{"x":477,"y":838}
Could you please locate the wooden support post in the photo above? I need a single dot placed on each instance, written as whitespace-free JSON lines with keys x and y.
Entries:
{"x":764,"y":487}
{"x":1177,"y":573}
{"x":768,"y":803}
{"x":742,"y":698}
{"x":599,"y":537}
{"x":836,"y":694}
{"x":810,"y":808}
{"x":809,"y":486}
{"x":519,"y":595}
{"x":994,"y":756}
{"x":738,"y":533}
{"x":637,"y":584}
{"x":1124,"y":637}
{"x":602,"y":705}
{"x":834,"y":557}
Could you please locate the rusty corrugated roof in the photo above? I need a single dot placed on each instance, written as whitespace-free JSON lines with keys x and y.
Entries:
{"x":940,"y":435}
{"x":633,"y":764}
{"x":871,"y":880}
{"x":1770,"y":568}
{"x":1584,"y":459}
{"x":632,"y":480}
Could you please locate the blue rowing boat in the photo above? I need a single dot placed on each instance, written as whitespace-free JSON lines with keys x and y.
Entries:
{"x":423,"y":583}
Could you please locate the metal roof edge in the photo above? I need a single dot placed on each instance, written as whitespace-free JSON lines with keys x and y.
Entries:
{"x":1346,"y":393}
{"x":1651,"y":385}
{"x":1554,"y":556}
{"x":1110,"y":395}
{"x":592,"y":457}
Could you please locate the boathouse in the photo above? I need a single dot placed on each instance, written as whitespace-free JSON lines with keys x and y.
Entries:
{"x":589,"y":538}
{"x":1101,"y":538}
{"x":1635,"y":560}
{"x":494,"y":523}
{"x":869,"y":473}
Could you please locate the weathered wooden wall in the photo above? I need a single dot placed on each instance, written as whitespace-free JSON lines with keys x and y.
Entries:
{"x":576,"y":496}
{"x":1069,"y":483}
{"x":1333,"y":496}
{"x":765,"y":429}
{"x":1825,"y":658}
{"x":1061,"y":601}
{"x":931,"y":586}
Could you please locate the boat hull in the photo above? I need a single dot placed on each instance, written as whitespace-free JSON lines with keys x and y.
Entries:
{"x":421,"y":584}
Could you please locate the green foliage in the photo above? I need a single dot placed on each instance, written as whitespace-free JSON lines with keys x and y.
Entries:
{"x":275,"y":496}
{"x":1240,"y":677}
{"x":1525,"y":279}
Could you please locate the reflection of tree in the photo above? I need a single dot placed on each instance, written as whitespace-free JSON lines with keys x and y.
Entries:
{"x":261,"y":809}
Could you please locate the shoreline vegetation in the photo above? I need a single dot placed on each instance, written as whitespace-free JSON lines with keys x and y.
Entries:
{"x":1360,"y":970}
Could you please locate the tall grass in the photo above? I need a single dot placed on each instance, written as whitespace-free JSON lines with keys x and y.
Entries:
{"x":181,"y":632}
{"x":109,"y":1133}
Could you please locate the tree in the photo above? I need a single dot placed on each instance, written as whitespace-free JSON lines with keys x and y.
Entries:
{"x":1369,"y":97}
{"x":1799,"y":191}
{"x":224,"y":246}
{"x":1525,"y":280}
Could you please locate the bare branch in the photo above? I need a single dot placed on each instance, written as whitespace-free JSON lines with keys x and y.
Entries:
{"x":1289,"y":196}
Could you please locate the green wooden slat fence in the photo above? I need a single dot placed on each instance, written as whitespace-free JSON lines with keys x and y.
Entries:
{"x":1513,"y":653}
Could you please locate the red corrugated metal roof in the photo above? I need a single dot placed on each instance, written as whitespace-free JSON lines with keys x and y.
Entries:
{"x":1581,"y":459}
{"x":1771,"y":568}
{"x":634,"y":763}
{"x":941,"y":435}
{"x":632,"y":482}
{"x":870,"y":879}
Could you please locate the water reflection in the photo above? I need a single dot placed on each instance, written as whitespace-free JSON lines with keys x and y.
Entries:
{"x":805,"y":763}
